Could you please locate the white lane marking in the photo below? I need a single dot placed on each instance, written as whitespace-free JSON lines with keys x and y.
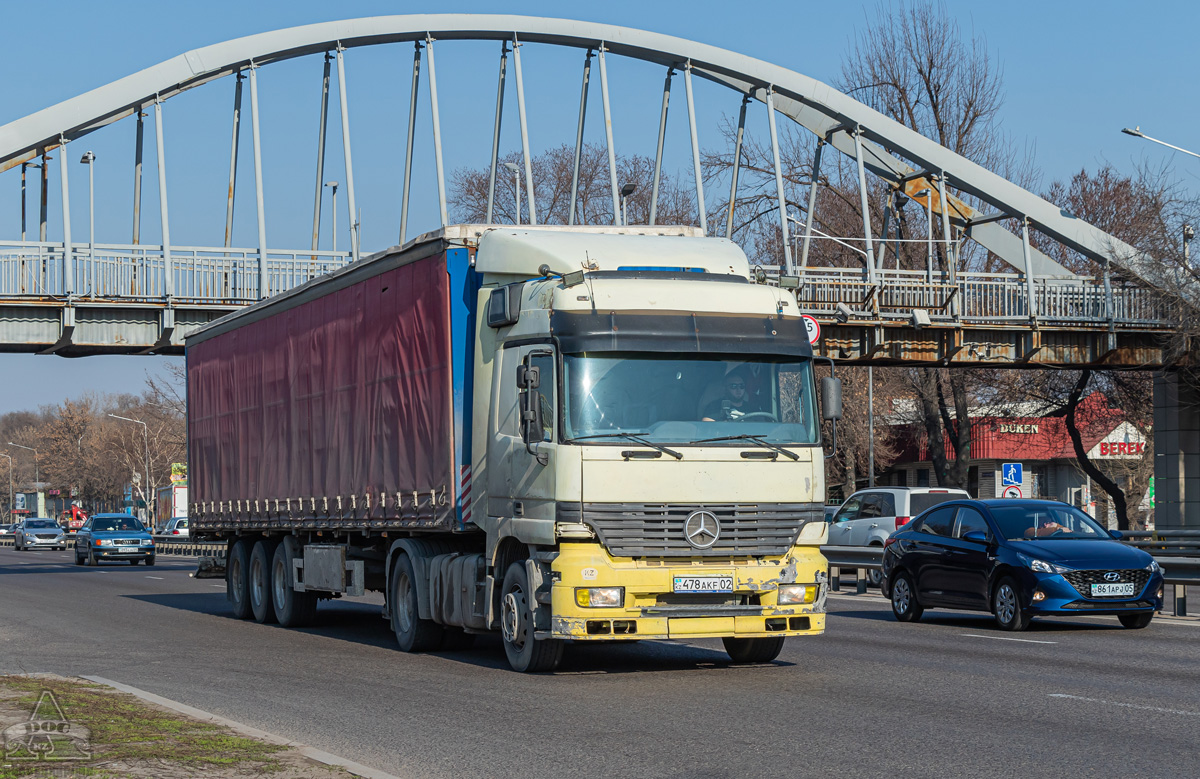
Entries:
{"x":155,"y":577}
{"x":222,"y":586}
{"x":1003,"y":638}
{"x":1125,"y":705}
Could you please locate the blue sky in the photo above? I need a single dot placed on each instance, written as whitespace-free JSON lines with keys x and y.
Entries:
{"x":1074,"y":74}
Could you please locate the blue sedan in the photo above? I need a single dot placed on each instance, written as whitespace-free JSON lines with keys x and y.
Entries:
{"x":113,"y":537}
{"x":1018,"y":559}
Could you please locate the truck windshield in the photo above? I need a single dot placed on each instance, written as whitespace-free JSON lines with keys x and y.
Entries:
{"x":684,"y":400}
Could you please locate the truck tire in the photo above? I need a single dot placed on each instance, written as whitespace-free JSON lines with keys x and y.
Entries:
{"x":753,"y":650}
{"x":237,"y":583}
{"x":525,"y":653}
{"x":292,"y":609}
{"x":413,"y":634}
{"x":258,"y":579}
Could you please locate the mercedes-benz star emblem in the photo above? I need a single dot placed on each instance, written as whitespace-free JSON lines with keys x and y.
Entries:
{"x":1112,"y":576}
{"x":701,"y":529}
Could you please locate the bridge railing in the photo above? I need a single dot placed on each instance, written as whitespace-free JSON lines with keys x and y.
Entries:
{"x":201,"y":274}
{"x":977,"y":298}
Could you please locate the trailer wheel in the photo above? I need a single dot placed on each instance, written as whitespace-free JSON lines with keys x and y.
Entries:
{"x":525,"y":653}
{"x":753,"y":650}
{"x":292,"y":609}
{"x":237,"y":584}
{"x":259,"y":580}
{"x":413,"y":634}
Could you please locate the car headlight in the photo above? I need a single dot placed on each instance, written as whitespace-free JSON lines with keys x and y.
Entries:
{"x":103,"y":542}
{"x":600,"y":597}
{"x":1154,"y":567}
{"x":147,"y":542}
{"x":1041,"y":566}
{"x":792,"y":594}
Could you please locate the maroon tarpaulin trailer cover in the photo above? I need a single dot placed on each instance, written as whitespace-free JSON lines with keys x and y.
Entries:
{"x":334,"y":405}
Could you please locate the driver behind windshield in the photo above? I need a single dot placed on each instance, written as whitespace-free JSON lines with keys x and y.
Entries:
{"x":734,"y":404}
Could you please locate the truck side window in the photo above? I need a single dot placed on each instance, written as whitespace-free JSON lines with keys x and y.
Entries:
{"x":547,"y":387}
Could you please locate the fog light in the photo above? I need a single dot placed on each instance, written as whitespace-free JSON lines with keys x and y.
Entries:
{"x":600,"y":597}
{"x":792,"y":594}
{"x":1160,"y":592}
{"x":1038,"y":596}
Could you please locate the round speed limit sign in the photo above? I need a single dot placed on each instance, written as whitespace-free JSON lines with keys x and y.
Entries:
{"x":813,"y":327}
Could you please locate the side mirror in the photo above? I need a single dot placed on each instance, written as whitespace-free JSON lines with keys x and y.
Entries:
{"x":831,"y":398}
{"x":1117,"y":535}
{"x":531,"y":417}
{"x":529,"y":377}
{"x":975,"y":536}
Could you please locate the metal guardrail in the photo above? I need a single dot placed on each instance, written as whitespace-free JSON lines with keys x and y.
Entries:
{"x":164,"y":545}
{"x":1177,"y":551}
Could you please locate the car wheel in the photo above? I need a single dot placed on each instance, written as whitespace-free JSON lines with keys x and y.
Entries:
{"x":150,"y":560}
{"x":91,"y":558}
{"x":133,"y":562}
{"x":874,"y":577}
{"x":292,"y":609}
{"x":525,"y":652}
{"x":236,"y":584}
{"x":1006,"y":605}
{"x":413,"y":634}
{"x":1136,"y":621}
{"x":78,"y":559}
{"x":904,"y":598}
{"x":753,"y":650}
{"x":259,"y":580}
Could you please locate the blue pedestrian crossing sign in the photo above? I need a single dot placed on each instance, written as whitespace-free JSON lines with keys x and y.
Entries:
{"x":1011,"y":473}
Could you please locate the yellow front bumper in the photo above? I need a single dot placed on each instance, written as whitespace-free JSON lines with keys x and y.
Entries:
{"x":651,"y":610}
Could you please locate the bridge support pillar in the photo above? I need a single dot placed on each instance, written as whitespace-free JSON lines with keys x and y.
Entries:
{"x":1176,"y":452}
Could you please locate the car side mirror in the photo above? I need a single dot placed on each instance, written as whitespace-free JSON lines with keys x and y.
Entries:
{"x":1117,"y":535}
{"x":975,"y":536}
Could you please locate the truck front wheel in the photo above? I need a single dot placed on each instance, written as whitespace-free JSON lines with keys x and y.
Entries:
{"x":413,"y":634}
{"x":753,"y":650}
{"x":237,"y":585}
{"x":525,"y":653}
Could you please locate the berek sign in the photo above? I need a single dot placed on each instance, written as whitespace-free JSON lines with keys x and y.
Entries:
{"x":813,"y":327}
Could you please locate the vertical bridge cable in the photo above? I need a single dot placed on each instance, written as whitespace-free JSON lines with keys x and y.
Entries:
{"x":583,"y":95}
{"x":320,"y":188}
{"x":68,"y":258}
{"x":812,"y":202}
{"x":524,"y":134}
{"x":437,"y":134}
{"x":866,"y":213}
{"x":687,"y":84}
{"x":138,"y":145}
{"x":496,"y":131}
{"x":783,"y":225}
{"x":233,"y":157}
{"x":350,"y":206}
{"x":408,"y":149}
{"x":258,"y":184}
{"x":658,"y":152}
{"x":168,"y":265}
{"x":608,"y":137}
{"x":737,"y":162}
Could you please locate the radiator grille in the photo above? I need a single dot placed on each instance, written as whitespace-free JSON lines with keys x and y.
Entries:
{"x":656,"y":530}
{"x":1082,"y":581}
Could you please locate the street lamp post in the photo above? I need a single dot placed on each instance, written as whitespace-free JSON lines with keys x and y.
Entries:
{"x":516,"y":171}
{"x":10,"y":489}
{"x":334,"y":185}
{"x":146,"y":438}
{"x":1137,"y":133}
{"x":37,"y":475}
{"x":626,"y":191}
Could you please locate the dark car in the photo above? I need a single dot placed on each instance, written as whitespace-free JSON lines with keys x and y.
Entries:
{"x":1018,"y":559}
{"x":113,"y":537}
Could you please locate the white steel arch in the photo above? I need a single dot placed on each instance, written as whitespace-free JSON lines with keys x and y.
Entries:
{"x":886,"y":148}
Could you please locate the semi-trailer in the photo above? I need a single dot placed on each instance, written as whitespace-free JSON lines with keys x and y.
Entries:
{"x":560,"y":434}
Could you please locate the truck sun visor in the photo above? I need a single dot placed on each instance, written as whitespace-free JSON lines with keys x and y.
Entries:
{"x":713,"y":333}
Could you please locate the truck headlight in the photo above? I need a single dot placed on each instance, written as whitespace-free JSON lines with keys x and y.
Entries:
{"x":600,"y":597}
{"x":792,"y":594}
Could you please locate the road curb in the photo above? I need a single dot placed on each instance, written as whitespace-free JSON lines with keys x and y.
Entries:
{"x":310,"y":752}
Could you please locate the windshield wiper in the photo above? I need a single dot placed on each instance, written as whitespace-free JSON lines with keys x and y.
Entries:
{"x":755,"y":439}
{"x":635,"y":437}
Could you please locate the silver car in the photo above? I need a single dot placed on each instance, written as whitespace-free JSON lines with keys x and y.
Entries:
{"x":869,"y":516}
{"x":38,"y":533}
{"x":176,"y":527}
